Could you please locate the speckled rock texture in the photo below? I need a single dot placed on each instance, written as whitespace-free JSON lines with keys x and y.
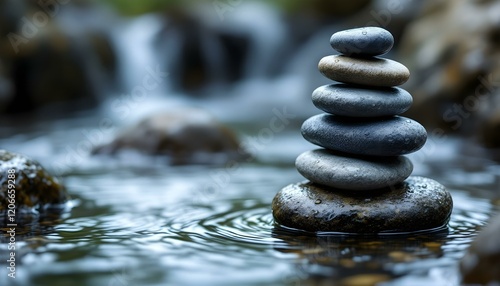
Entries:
{"x":416,"y":204}
{"x":364,"y":71}
{"x":35,"y":189}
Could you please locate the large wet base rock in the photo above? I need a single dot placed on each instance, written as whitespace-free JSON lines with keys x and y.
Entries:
{"x":416,"y":204}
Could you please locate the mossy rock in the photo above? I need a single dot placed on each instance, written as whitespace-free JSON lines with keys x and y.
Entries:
{"x":35,"y":189}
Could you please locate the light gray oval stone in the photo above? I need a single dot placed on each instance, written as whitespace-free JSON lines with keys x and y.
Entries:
{"x":364,"y":71}
{"x":416,"y":204}
{"x":367,"y":41}
{"x":336,"y":170}
{"x":387,"y":136}
{"x":357,"y":101}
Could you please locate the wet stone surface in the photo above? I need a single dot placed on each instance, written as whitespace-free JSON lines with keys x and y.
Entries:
{"x":185,"y":136}
{"x":332,"y":169}
{"x":366,"y":41}
{"x":364,"y":71}
{"x":417,"y":204}
{"x":35,"y":189}
{"x":391,"y":136}
{"x":356,"y":101}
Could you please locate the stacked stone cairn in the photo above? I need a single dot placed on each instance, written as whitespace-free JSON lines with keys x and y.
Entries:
{"x":359,"y":182}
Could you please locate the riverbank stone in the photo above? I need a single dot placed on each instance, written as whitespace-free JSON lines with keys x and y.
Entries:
{"x":481,"y":263}
{"x":416,"y":204}
{"x":34,"y":188}
{"x":364,"y":71}
{"x":357,"y":101}
{"x":366,"y":41}
{"x":342,"y":171}
{"x":390,"y":136}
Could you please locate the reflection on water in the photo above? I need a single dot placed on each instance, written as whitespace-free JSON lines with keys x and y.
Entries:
{"x":144,"y":223}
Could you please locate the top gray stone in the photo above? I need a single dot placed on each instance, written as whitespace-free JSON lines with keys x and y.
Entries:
{"x":367,"y":41}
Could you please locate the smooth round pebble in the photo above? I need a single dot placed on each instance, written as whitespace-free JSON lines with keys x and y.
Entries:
{"x":416,"y":204}
{"x":342,"y":171}
{"x":388,"y":136}
{"x":364,"y":71}
{"x":356,"y":101}
{"x":367,"y":41}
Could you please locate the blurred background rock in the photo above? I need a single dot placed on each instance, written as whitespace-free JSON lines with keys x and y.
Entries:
{"x":239,"y":58}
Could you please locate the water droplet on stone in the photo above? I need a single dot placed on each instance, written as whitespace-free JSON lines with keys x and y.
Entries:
{"x":364,"y":32}
{"x":318,"y":201}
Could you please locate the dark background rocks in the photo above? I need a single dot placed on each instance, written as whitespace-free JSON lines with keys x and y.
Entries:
{"x":453,"y":58}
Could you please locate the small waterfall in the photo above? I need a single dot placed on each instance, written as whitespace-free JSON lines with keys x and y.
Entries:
{"x":238,"y":67}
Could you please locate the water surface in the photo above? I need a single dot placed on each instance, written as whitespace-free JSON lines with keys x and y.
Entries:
{"x":136,"y":221}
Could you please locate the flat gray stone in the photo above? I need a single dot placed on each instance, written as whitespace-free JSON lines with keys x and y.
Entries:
{"x":332,"y":169}
{"x":357,"y":101}
{"x":367,"y":41}
{"x":387,"y":136}
{"x":364,"y":71}
{"x":416,"y":204}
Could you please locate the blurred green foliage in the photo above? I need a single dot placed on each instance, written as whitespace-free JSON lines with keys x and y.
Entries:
{"x":137,"y":7}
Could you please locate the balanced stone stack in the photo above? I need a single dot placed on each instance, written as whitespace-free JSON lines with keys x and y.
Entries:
{"x":359,"y":182}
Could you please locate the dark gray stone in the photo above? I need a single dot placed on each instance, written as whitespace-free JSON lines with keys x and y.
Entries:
{"x":356,"y":101}
{"x":416,"y":204}
{"x":364,"y":71}
{"x":481,"y":263}
{"x":388,"y":136}
{"x":336,"y":170}
{"x":367,"y":41}
{"x":186,"y":136}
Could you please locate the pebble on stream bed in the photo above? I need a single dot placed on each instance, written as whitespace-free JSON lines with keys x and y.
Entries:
{"x":185,"y":136}
{"x":359,"y":182}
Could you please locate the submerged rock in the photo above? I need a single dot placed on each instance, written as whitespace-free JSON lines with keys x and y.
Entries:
{"x":416,"y":204}
{"x":27,"y":185}
{"x":187,"y":136}
{"x":481,"y":263}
